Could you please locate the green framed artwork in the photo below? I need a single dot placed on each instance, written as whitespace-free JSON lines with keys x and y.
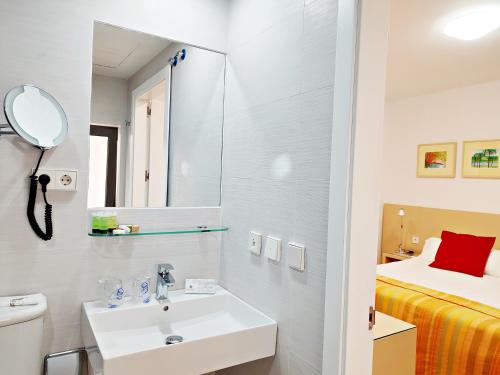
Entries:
{"x":437,"y":160}
{"x":480,"y":159}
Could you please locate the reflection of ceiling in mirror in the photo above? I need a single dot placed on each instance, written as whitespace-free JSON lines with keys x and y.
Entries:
{"x":121,"y":53}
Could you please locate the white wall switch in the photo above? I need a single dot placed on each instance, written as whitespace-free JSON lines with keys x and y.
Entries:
{"x":296,"y":257}
{"x":273,"y":248}
{"x":255,"y":242}
{"x":415,"y":240}
{"x":63,"y":180}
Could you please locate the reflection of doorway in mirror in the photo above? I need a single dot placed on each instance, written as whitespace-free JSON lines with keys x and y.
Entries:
{"x":150,"y":132}
{"x":103,"y":166}
{"x":97,"y":172}
{"x":173,"y":157}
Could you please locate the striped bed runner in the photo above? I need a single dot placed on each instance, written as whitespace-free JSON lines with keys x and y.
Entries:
{"x":455,"y":336}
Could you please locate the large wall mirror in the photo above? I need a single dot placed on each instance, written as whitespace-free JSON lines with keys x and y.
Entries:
{"x":156,"y":121}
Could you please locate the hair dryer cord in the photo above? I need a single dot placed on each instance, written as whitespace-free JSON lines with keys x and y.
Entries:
{"x":47,"y":235}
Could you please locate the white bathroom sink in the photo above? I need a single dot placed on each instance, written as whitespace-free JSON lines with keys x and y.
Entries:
{"x":219,"y":331}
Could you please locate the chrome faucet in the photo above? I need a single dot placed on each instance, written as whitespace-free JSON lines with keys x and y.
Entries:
{"x":164,"y":281}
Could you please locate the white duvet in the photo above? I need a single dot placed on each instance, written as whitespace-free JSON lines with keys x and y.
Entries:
{"x":485,"y":290}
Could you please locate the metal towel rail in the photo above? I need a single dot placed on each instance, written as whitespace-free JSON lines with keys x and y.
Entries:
{"x":82,"y":359}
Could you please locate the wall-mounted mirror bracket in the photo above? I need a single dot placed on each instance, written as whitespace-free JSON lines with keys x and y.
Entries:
{"x":5,"y":129}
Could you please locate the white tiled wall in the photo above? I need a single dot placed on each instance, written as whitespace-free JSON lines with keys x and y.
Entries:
{"x":196,"y":129}
{"x":49,"y":43}
{"x":277,"y":137}
{"x":276,"y":161}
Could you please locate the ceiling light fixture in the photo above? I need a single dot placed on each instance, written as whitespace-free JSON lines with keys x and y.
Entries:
{"x":474,"y":23}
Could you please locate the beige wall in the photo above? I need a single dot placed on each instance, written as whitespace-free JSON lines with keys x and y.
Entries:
{"x":468,"y":113}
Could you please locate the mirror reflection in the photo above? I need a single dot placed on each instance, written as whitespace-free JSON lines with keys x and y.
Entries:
{"x":156,"y":121}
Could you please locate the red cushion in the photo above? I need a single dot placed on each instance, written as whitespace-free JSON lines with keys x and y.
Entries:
{"x":463,"y":253}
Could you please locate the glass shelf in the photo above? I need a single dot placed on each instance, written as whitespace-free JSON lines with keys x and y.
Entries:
{"x":166,"y":231}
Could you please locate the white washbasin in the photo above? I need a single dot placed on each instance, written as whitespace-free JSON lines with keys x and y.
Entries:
{"x":219,"y":331}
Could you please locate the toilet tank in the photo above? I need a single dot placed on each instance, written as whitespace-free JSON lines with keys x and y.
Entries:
{"x":21,"y":330}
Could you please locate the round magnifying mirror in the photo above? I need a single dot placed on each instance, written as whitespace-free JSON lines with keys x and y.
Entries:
{"x":35,"y":116}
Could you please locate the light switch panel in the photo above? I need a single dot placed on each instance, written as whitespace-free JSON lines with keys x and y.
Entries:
{"x":255,"y":242}
{"x":296,"y":257}
{"x":273,"y":248}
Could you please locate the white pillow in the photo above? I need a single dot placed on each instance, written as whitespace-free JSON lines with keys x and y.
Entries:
{"x":493,"y":264}
{"x":430,"y":249}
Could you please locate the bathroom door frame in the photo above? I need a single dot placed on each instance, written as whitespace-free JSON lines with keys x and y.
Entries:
{"x":164,"y":74}
{"x":355,"y":185}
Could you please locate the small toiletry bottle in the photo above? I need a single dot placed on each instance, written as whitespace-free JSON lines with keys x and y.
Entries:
{"x":96,"y":225}
{"x":142,"y":289}
{"x":125,"y":228}
{"x":112,"y":221}
{"x":102,"y":223}
{"x":107,"y":221}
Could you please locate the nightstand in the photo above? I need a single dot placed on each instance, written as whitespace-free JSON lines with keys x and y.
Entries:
{"x":394,"y":346}
{"x":394,"y":256}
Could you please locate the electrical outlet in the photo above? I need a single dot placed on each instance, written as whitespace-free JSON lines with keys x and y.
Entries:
{"x":66,"y":180}
{"x":62,"y":180}
{"x":255,"y":242}
{"x":415,"y":240}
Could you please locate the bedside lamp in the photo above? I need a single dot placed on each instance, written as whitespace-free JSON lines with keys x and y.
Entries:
{"x":401,"y":214}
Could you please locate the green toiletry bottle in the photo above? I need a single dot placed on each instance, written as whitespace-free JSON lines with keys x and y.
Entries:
{"x":103,"y":225}
{"x":96,"y":225}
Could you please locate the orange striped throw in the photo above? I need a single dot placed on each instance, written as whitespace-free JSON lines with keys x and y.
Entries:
{"x":455,"y":336}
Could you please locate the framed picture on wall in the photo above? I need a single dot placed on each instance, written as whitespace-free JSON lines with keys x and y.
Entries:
{"x":480,"y":159}
{"x":437,"y":160}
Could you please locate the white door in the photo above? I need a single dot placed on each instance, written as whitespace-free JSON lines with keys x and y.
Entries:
{"x":355,"y":192}
{"x":146,"y":182}
{"x":150,"y":153}
{"x":157,"y":194}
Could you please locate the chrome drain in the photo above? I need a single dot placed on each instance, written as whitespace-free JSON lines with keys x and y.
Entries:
{"x":173,"y":340}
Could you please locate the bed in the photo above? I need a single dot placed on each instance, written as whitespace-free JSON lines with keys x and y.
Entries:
{"x":457,"y":316}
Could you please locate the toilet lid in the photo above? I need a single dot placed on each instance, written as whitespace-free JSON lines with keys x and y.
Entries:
{"x":18,"y":314}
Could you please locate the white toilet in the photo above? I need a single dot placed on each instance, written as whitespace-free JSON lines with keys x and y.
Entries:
{"x":21,"y":330}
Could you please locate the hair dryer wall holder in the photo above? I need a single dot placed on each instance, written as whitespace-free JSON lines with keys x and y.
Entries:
{"x":5,"y":129}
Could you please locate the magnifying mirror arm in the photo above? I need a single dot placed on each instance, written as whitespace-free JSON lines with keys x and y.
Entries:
{"x":5,"y":129}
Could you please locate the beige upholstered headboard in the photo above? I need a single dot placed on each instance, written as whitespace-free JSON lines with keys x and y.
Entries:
{"x":427,"y":222}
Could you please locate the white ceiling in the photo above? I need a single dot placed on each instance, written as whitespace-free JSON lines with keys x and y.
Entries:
{"x":423,"y":60}
{"x":121,"y":53}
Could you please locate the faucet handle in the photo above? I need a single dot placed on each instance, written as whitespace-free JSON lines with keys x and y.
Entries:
{"x":165,"y":268}
{"x":165,"y":274}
